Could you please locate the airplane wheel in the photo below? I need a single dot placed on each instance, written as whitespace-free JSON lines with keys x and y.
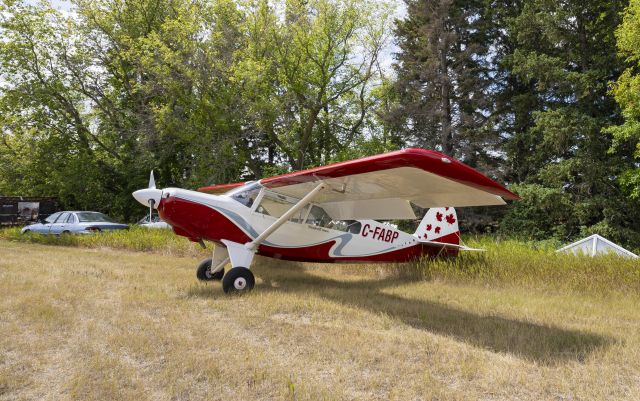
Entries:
{"x":204,"y":274}
{"x":238,"y":279}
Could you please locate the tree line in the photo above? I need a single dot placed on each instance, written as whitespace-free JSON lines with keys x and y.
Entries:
{"x":541,"y":95}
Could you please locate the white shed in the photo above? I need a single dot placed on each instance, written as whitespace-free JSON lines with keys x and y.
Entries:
{"x":596,"y":245}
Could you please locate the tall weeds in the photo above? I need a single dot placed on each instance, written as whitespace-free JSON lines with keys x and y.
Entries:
{"x":504,"y":262}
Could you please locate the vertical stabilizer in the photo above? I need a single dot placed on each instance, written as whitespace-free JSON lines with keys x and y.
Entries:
{"x":439,"y":224}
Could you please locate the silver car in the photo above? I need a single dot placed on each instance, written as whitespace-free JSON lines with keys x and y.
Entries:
{"x":74,"y":222}
{"x":153,"y":222}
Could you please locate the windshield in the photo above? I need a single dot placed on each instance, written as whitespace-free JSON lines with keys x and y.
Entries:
{"x":94,"y":217}
{"x":246,"y":187}
{"x":246,"y":194}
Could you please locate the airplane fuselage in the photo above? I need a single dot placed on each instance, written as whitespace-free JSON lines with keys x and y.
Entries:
{"x":199,"y":216}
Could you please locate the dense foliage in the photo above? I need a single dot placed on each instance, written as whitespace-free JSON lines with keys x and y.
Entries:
{"x":212,"y":91}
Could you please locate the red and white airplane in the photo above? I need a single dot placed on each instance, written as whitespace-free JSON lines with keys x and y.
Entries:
{"x":327,"y":214}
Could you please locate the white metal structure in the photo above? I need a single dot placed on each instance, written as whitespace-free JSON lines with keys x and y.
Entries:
{"x":596,"y":245}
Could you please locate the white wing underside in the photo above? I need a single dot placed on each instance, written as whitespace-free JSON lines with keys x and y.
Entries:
{"x":388,"y":194}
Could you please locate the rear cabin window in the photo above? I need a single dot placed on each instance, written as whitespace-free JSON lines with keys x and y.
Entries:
{"x":348,"y":226}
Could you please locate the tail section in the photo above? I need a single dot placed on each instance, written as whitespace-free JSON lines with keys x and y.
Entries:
{"x":439,"y":225}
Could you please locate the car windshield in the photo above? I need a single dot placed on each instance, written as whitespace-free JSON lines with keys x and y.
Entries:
{"x":53,"y":217}
{"x":94,"y":217}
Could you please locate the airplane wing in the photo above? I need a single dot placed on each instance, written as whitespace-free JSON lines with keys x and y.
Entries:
{"x":221,"y":188}
{"x":384,"y":186}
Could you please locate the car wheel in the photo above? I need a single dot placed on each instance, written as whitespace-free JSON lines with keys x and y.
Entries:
{"x":26,"y":232}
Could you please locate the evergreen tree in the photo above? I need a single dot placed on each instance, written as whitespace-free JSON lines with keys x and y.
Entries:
{"x":566,"y":50}
{"x":444,"y":79}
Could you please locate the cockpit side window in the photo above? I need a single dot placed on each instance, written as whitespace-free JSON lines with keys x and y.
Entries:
{"x":273,"y":204}
{"x":318,"y":217}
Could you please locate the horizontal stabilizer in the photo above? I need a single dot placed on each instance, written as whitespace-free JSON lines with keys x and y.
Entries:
{"x":444,"y":245}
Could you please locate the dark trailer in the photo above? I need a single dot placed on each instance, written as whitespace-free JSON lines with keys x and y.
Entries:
{"x":20,"y":210}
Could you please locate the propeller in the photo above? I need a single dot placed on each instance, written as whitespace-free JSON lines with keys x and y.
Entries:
{"x":149,"y":197}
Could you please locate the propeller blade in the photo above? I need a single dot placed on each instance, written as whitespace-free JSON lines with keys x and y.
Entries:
{"x":152,"y":181}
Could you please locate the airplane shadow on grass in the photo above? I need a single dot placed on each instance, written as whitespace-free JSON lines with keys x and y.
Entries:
{"x":544,"y":344}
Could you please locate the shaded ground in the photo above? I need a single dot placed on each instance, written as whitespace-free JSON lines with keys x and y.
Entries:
{"x":101,"y":324}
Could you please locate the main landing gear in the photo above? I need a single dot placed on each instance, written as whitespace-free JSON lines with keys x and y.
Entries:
{"x":238,"y":279}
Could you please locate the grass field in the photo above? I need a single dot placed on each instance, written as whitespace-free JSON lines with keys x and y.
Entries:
{"x":91,"y":323}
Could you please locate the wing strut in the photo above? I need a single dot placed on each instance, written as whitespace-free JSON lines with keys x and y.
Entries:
{"x":242,"y":254}
{"x":253,"y":245}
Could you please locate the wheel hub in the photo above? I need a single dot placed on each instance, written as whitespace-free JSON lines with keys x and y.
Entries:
{"x":240,"y":283}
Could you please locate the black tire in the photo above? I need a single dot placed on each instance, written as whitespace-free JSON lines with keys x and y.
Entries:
{"x":204,"y":274}
{"x":239,"y":280}
{"x":26,"y":232}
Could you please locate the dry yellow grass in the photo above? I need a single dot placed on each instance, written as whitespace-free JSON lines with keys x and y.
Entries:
{"x":97,"y":324}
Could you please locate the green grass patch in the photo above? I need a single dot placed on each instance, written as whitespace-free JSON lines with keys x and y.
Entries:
{"x":135,"y":239}
{"x":535,"y":265}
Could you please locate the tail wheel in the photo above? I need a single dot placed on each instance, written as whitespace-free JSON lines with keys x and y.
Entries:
{"x":238,"y":279}
{"x":204,"y":272}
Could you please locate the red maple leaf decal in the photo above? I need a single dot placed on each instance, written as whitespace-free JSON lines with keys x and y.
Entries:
{"x":437,"y":230}
{"x":428,"y":227}
{"x":451,"y":219}
{"x":439,"y":216}
{"x":446,"y":208}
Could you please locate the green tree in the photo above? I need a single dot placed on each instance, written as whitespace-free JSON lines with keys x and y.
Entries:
{"x":566,"y":51}
{"x":308,"y":76}
{"x":120,"y":88}
{"x":627,"y":93}
{"x":444,"y":77}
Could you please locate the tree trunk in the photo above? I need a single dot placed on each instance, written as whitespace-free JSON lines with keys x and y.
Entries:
{"x":447,"y":145}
